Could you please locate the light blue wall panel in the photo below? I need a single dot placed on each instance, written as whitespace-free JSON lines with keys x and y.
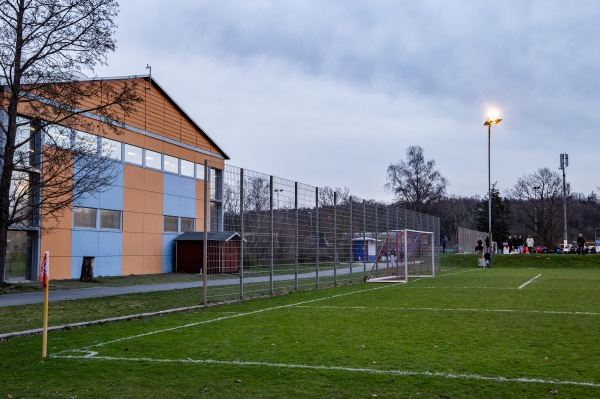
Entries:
{"x":110,"y":243}
{"x":172,"y":184}
{"x":171,"y":205}
{"x":88,"y":200}
{"x":187,"y":207}
{"x":105,"y":246}
{"x":110,"y":199}
{"x":83,"y":243}
{"x":188,"y":187}
{"x":108,"y":266}
{"x":113,"y":197}
{"x":179,"y":196}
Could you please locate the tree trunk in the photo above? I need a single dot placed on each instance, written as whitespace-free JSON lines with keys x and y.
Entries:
{"x":87,"y":269}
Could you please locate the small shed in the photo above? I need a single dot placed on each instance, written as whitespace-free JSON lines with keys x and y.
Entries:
{"x":364,"y":249}
{"x":223,"y":248}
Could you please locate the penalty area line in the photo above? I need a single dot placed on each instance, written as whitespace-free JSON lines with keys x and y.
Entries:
{"x":231,"y":316}
{"x":407,"y":373}
{"x":530,"y":281}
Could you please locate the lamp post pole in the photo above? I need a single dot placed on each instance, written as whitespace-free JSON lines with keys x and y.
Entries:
{"x":564,"y":162}
{"x":489,"y":122}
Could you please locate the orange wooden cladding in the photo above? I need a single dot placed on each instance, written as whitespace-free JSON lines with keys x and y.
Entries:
{"x":157,"y":114}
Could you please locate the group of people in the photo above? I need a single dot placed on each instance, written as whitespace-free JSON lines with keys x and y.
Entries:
{"x":515,"y":244}
{"x":479,"y":244}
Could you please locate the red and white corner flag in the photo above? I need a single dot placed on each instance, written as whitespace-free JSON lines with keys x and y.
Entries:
{"x":44,"y":274}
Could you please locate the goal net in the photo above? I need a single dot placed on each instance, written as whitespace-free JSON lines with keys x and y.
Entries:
{"x":403,"y":254}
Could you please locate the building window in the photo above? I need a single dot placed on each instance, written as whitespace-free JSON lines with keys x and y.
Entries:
{"x":110,"y":149}
{"x":58,"y":137}
{"x":171,"y":164}
{"x":84,"y":218}
{"x":133,"y":154}
{"x":110,"y":220}
{"x":187,"y":168}
{"x":153,"y":160}
{"x":187,"y":224}
{"x":170,"y":224}
{"x":216,"y":185}
{"x":199,"y":171}
{"x":86,"y":143}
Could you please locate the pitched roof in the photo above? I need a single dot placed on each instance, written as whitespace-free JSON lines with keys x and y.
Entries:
{"x":223,"y":236}
{"x":155,"y":84}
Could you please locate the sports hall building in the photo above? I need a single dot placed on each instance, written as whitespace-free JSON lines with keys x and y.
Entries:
{"x":158,"y":194}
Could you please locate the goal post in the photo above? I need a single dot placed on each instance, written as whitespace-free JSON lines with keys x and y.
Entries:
{"x":404,"y":254}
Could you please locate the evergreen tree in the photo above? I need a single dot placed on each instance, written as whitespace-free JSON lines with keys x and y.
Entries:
{"x":500,"y":216}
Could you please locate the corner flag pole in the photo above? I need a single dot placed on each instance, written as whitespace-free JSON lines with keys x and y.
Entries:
{"x":44,"y":276}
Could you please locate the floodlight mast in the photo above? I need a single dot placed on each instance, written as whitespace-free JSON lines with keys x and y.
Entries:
{"x":564,"y":162}
{"x":489,"y":122}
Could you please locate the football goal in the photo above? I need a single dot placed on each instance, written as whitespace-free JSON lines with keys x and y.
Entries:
{"x":403,"y":254}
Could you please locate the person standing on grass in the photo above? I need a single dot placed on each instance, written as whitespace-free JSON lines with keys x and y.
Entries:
{"x":443,"y":242}
{"x":580,"y":244}
{"x":530,"y":244}
{"x":479,"y":246}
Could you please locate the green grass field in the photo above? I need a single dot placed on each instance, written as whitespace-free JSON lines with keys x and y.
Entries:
{"x":525,"y":328}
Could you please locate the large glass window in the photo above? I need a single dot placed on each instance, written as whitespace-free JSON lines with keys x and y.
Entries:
{"x":171,"y":164}
{"x":110,"y":220}
{"x":58,"y":136}
{"x":23,"y":154}
{"x":153,"y":160}
{"x":187,"y":168}
{"x":170,"y":224}
{"x":187,"y":224}
{"x":86,"y":143}
{"x":84,"y":217}
{"x":110,"y":148}
{"x":216,"y":184}
{"x":133,"y":154}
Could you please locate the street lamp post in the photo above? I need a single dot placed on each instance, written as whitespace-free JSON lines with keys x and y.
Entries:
{"x":489,"y":122}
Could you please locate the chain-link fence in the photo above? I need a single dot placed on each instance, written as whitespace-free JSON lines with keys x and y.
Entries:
{"x":282,"y":236}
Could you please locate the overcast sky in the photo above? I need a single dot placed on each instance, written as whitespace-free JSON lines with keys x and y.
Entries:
{"x":329,"y":93}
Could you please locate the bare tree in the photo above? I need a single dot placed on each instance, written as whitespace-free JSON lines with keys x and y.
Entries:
{"x":539,"y":200}
{"x":44,"y":47}
{"x":415,"y":182}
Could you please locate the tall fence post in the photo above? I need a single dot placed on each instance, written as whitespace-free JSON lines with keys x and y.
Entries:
{"x":351,"y":242}
{"x":272,"y":229}
{"x":242,"y":234}
{"x":335,"y":249}
{"x":297,"y":239}
{"x":365,"y":246}
{"x":318,"y":237}
{"x":205,"y":244}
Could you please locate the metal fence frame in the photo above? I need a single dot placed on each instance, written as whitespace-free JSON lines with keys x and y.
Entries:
{"x":298,"y":237}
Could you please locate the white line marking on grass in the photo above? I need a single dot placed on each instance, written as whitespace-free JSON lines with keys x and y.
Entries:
{"x":370,"y":308}
{"x":231,"y":317}
{"x":530,"y":281}
{"x":91,"y":355}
